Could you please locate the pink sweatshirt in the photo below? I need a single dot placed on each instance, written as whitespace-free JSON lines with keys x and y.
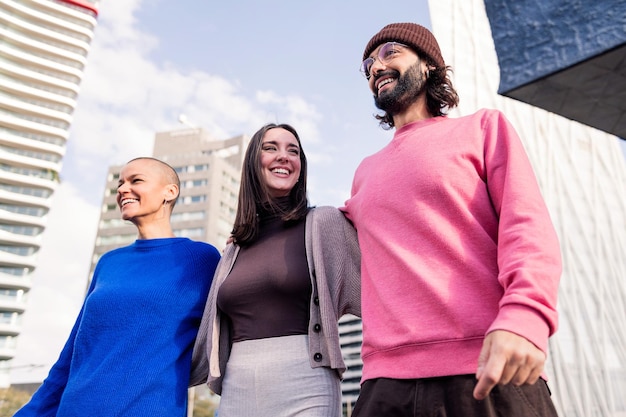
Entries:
{"x":456,"y":242}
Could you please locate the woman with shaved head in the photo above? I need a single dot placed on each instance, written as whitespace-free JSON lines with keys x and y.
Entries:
{"x":129,"y":353}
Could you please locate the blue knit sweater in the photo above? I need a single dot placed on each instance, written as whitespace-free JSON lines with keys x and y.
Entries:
{"x":129,"y":353}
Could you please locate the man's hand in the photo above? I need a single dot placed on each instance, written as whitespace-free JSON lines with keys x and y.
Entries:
{"x":507,"y":358}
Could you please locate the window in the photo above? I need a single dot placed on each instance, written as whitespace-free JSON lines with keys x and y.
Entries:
{"x":194,"y":183}
{"x":109,"y":223}
{"x":190,"y":199}
{"x":7,"y":294}
{"x":116,"y":239}
{"x":15,"y":271}
{"x":33,"y":191}
{"x":188,"y":216}
{"x":29,"y":211}
{"x":21,"y":230}
{"x":7,"y":342}
{"x":190,"y":233}
{"x":6,"y":317}
{"x":18,"y":250}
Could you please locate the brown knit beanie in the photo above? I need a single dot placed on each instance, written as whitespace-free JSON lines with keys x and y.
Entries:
{"x":411,"y":34}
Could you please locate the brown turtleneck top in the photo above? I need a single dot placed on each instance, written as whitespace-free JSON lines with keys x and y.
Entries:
{"x":268,"y":291}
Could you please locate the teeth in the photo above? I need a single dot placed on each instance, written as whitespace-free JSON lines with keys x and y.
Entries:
{"x":129,"y":200}
{"x":280,"y":171}
{"x":385,"y":82}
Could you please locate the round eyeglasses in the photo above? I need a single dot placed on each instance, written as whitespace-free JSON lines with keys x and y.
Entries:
{"x":386,"y":54}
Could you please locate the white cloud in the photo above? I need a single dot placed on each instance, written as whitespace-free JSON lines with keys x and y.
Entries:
{"x":117,"y":26}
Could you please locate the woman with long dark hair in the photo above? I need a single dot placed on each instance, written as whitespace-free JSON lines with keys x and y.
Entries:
{"x":269,"y":340}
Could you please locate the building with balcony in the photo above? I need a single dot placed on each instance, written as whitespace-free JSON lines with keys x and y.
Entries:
{"x":43,"y":51}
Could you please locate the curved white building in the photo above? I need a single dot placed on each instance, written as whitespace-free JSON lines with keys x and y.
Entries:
{"x":43,"y":52}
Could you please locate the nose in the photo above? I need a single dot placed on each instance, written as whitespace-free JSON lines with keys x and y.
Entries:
{"x":123,"y":187}
{"x":376,"y":66}
{"x":282,"y":156}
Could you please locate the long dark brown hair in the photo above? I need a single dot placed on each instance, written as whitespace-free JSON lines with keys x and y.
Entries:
{"x":254,"y":195}
{"x":440,"y":94}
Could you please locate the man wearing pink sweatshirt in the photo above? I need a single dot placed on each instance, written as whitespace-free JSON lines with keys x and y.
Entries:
{"x":460,"y":260}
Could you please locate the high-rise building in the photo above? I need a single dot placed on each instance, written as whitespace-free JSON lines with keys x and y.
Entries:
{"x":350,"y":340}
{"x":43,"y":52}
{"x":209,"y":171}
{"x":582,"y":175}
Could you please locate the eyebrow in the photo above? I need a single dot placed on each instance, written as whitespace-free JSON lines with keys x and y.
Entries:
{"x":133,"y":176}
{"x":273,"y":142}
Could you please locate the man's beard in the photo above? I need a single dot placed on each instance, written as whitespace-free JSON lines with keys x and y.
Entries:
{"x":406,"y":91}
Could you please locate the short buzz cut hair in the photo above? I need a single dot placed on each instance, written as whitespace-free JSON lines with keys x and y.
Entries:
{"x":169,"y":173}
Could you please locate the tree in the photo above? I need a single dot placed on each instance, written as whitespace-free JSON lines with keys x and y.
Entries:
{"x":203,"y":408}
{"x":11,"y":400}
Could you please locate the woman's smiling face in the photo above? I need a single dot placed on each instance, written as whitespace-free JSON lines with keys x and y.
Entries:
{"x":142,"y":190}
{"x":280,"y":161}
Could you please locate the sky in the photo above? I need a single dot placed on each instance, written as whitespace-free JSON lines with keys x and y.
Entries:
{"x":229,"y":67}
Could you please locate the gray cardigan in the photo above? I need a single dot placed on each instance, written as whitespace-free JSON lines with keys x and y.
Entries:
{"x":334,"y":261}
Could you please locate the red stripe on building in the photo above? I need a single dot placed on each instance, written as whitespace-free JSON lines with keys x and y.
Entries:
{"x":84,"y":4}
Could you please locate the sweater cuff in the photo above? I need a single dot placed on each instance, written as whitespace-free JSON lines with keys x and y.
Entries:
{"x":524,"y":322}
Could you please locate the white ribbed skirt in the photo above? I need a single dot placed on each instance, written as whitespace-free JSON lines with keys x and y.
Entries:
{"x":273,"y":378}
